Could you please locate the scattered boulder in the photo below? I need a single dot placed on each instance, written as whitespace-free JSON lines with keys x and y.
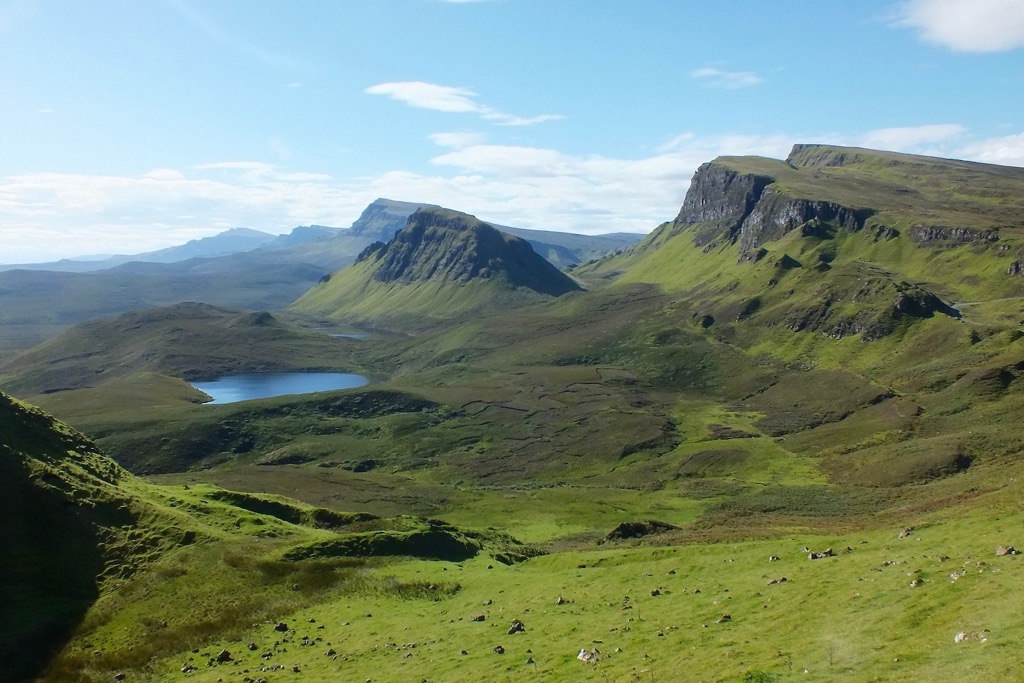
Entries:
{"x":224,"y":656}
{"x":773,"y":558}
{"x":827,"y":552}
{"x":516,"y":627}
{"x":1006,"y":550}
{"x":964,"y":636}
{"x":780,"y":579}
{"x":724,"y":619}
{"x":906,"y":531}
{"x":498,"y":650}
{"x":480,"y":617}
{"x":560,"y":600}
{"x":281,"y":626}
{"x":628,"y":530}
{"x":588,"y":656}
{"x":914,"y":583}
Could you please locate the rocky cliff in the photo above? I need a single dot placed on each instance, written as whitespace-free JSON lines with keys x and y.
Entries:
{"x":383,"y":218}
{"x":840,"y":241}
{"x":447,"y":245}
{"x":441,"y":264}
{"x":750,"y":209}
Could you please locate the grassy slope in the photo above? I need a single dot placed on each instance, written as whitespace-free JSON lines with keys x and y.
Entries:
{"x":191,"y":341}
{"x":559,"y":421}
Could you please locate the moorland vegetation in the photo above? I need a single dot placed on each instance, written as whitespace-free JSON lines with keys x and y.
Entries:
{"x":776,"y":440}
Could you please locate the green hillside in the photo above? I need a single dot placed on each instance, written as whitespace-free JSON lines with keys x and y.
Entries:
{"x":818,"y":353}
{"x":441,"y":264}
{"x":189,"y":341}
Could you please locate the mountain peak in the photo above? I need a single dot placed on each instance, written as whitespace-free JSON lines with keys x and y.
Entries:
{"x":443,"y":244}
{"x":442,"y":263}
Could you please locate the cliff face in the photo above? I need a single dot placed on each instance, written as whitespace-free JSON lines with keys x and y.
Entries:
{"x":438,"y":244}
{"x":775,"y":214}
{"x":841,"y":241}
{"x":724,"y":205}
{"x":383,"y":218}
{"x":719,"y":199}
{"x":924,"y":234}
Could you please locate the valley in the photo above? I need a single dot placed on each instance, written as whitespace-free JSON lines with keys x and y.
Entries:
{"x":633,"y":453}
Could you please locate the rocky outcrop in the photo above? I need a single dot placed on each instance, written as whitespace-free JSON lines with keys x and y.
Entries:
{"x":720,"y":199}
{"x":775,"y":214}
{"x":455,"y":247}
{"x":927,"y":234}
{"x":383,"y":218}
{"x":881,"y":305}
{"x":725,"y":205}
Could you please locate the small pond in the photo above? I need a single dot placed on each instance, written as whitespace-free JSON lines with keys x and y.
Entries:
{"x":235,"y":388}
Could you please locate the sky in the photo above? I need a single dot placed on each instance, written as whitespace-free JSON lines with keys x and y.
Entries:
{"x":132,"y":125}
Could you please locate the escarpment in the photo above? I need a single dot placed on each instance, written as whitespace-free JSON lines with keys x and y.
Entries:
{"x":447,"y":245}
{"x":749,"y":209}
{"x":842,"y":241}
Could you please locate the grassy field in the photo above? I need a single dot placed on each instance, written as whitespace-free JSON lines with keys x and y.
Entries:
{"x":614,"y":468}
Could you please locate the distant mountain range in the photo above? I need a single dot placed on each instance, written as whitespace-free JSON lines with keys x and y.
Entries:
{"x":239,"y":269}
{"x":326,"y":247}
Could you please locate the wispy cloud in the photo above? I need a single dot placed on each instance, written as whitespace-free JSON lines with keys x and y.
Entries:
{"x":458,"y":140}
{"x":974,"y":26}
{"x":729,"y":80}
{"x":451,"y":99}
{"x":527,"y":186}
{"x":911,"y":138}
{"x":1007,"y":150}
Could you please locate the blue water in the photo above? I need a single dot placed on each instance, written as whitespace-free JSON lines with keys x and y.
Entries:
{"x":351,"y":336}
{"x":235,"y":388}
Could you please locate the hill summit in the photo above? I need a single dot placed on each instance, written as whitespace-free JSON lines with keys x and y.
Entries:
{"x":442,"y":262}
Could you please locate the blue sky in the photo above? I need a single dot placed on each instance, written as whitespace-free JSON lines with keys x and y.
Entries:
{"x":129,"y":125}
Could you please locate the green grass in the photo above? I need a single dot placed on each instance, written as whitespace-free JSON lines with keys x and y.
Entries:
{"x":853,"y":617}
{"x":677,"y":390}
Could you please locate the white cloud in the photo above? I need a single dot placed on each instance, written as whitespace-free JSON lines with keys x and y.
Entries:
{"x":966,"y":25}
{"x":730,"y":80}
{"x":428,"y":95}
{"x":911,"y":138}
{"x":162,"y":207}
{"x":457,"y":140}
{"x":45,"y":216}
{"x":451,"y":99}
{"x":1008,"y":150}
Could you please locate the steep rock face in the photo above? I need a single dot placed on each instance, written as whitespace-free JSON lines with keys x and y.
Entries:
{"x":775,"y":214}
{"x":720,"y":199}
{"x":723,"y":204}
{"x":447,"y":245}
{"x":383,"y":218}
{"x":924,"y":234}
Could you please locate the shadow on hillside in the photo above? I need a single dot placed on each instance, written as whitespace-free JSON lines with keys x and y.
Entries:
{"x":49,"y":564}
